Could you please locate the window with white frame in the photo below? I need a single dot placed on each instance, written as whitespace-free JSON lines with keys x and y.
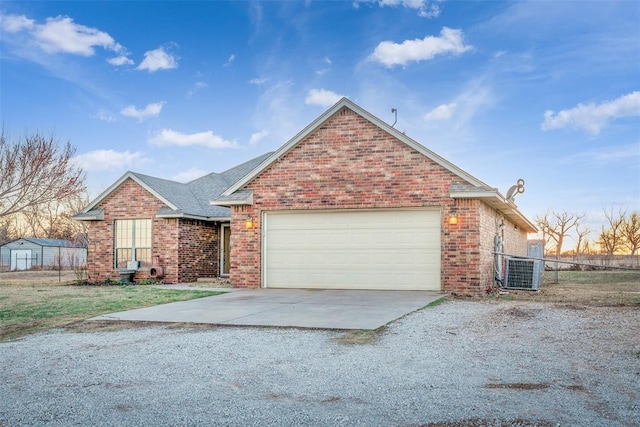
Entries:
{"x":133,"y":242}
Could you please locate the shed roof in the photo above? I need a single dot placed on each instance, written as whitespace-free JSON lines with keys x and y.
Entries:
{"x":49,"y":242}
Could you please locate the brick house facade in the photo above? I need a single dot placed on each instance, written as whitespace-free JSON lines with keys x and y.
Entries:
{"x":348,"y":162}
{"x":345,"y":161}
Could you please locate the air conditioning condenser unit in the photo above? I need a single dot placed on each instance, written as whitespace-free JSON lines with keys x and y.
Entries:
{"x":522,"y":273}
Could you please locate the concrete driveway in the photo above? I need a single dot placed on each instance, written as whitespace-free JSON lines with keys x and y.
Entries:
{"x":302,"y":308}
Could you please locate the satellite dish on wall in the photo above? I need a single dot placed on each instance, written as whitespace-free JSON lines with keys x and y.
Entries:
{"x":516,"y":189}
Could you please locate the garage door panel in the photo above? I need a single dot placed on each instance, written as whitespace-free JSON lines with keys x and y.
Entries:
{"x":369,"y":249}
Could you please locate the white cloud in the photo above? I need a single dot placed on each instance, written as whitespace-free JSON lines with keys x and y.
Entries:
{"x":259,"y":80}
{"x":322,"y":97}
{"x":165,"y":137}
{"x":105,"y":116}
{"x":425,"y":8}
{"x":196,"y":87}
{"x":189,"y":175}
{"x":592,"y":117}
{"x":15,"y":23}
{"x":450,"y":41}
{"x":61,"y":34}
{"x":103,"y":160}
{"x":441,"y":112}
{"x":257,"y":137}
{"x":230,"y":61}
{"x":120,"y":60}
{"x":158,"y":59}
{"x":151,"y":110}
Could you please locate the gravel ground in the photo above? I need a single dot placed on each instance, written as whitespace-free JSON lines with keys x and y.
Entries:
{"x":457,"y":364}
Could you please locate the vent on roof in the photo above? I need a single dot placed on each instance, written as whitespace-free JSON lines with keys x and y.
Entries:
{"x":522,"y":274}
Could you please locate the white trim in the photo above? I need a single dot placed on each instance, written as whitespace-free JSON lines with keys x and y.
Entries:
{"x":263,"y":235}
{"x":222,"y":251}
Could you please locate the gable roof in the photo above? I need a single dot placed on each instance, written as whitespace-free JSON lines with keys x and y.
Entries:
{"x":182,"y":200}
{"x":479,"y":189}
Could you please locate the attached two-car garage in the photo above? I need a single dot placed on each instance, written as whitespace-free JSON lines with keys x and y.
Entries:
{"x":394,"y":249}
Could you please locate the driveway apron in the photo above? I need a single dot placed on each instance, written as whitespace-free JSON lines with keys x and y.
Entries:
{"x":301,"y":308}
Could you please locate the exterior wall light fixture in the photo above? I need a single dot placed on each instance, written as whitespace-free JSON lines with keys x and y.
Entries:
{"x":453,"y":218}
{"x":249,"y":222}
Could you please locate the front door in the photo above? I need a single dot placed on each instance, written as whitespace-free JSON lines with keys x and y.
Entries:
{"x":225,"y":258}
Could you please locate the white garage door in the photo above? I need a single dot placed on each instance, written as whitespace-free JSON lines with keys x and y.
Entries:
{"x":395,"y":249}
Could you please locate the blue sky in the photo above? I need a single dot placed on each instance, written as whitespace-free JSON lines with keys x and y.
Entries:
{"x":544,"y":91}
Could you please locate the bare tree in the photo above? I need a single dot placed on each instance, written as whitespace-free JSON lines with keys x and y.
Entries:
{"x":582,"y":241}
{"x":35,"y":171}
{"x":611,"y":238}
{"x":631,"y":232}
{"x":53,"y":220}
{"x":557,"y":226}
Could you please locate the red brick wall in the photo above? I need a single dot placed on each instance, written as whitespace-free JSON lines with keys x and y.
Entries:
{"x":350,"y":163}
{"x":514,"y":241}
{"x":187,"y":249}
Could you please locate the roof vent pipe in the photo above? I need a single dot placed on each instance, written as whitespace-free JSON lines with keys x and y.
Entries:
{"x":395,"y":112}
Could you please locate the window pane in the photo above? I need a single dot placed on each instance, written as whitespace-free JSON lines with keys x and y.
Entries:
{"x":144,"y":256}
{"x":122,"y":256}
{"x":124,"y":233}
{"x":143,"y":233}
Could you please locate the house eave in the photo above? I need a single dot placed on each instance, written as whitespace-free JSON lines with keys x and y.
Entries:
{"x":230,"y":200}
{"x":181,"y":215}
{"x":500,"y":203}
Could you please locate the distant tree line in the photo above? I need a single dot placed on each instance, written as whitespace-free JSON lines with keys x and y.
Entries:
{"x":620,"y":235}
{"x":41,"y":188}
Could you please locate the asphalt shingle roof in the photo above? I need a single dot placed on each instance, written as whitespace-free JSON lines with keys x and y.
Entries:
{"x":193,"y":198}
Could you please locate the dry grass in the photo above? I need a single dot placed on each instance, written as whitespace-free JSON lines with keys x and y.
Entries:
{"x":38,"y":277}
{"x":38,"y":302}
{"x":600,"y":288}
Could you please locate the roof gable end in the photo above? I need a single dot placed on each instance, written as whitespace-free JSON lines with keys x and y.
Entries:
{"x":318,"y":122}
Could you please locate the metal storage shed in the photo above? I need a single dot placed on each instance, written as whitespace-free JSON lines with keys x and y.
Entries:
{"x":27,"y":253}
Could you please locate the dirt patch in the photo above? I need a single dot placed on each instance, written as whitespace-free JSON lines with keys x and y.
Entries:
{"x":578,"y":288}
{"x":358,"y":337}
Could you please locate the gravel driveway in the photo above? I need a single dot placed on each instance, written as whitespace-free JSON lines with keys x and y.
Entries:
{"x":459,"y":363}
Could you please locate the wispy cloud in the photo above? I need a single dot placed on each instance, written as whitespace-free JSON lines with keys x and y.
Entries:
{"x":441,"y":112}
{"x":168,"y":137}
{"x":259,"y":80}
{"x":473,"y":99}
{"x":390,"y":53}
{"x":189,"y":175}
{"x":151,"y":110}
{"x":105,"y":116}
{"x":425,"y":8}
{"x":322,"y":97}
{"x":103,"y":160}
{"x":592,"y":117}
{"x":608,"y":155}
{"x":257,"y":137}
{"x":61,"y":34}
{"x":158,"y":59}
{"x":230,"y":61}
{"x":197,"y":87}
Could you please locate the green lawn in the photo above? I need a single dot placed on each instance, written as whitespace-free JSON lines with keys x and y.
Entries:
{"x":26,"y":309}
